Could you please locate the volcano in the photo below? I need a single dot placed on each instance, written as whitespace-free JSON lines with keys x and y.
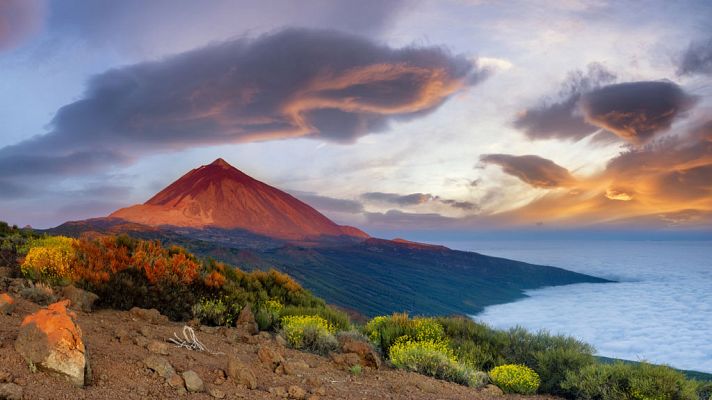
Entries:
{"x":219,"y":195}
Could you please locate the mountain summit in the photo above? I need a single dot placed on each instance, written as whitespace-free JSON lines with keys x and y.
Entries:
{"x":219,"y":195}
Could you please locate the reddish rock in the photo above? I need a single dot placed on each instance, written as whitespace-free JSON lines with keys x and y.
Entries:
{"x":346,"y":359}
{"x":270,"y":356}
{"x":7,"y":304}
{"x":152,"y":316}
{"x":368,"y":355}
{"x":80,"y":299}
{"x":246,"y":324}
{"x":51,"y":340}
{"x":241,"y":373}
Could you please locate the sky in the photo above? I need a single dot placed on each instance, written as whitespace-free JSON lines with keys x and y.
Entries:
{"x":458,"y":116}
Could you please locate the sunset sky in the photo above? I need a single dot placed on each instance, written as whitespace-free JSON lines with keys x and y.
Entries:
{"x":393,"y":116}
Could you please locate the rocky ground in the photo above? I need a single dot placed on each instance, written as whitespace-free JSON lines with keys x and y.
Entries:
{"x":130,"y":359}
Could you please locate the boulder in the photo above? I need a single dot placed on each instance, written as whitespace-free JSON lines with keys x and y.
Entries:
{"x":368,"y":355}
{"x":246,"y":324}
{"x":159,"y":364}
{"x":241,"y":373}
{"x":270,"y":356}
{"x":7,"y":304}
{"x":296,"y":392}
{"x":193,"y":382}
{"x":51,"y":340}
{"x":81,"y":299}
{"x":345,"y":359}
{"x":151,"y":316}
{"x":10,"y":391}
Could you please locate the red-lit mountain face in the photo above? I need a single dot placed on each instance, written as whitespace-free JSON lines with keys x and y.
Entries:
{"x":219,"y":195}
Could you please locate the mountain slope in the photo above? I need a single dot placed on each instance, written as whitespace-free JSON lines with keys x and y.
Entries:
{"x":219,"y":195}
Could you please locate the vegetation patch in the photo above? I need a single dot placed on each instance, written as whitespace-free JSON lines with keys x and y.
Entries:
{"x":512,"y":378}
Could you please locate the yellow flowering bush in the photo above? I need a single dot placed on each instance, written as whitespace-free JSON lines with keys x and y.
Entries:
{"x":383,"y":331}
{"x":49,"y":259}
{"x":432,"y":358}
{"x":513,"y":378}
{"x":273,"y":306}
{"x":300,"y":330}
{"x":428,"y":329}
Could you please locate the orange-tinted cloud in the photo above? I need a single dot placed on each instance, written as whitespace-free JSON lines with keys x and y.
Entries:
{"x":659,"y":183}
{"x":296,"y":83}
{"x":534,"y":170}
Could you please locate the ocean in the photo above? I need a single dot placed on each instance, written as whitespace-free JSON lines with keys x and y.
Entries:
{"x":660,"y":309}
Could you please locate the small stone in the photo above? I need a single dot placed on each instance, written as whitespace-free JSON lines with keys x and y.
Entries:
{"x":216,"y":393}
{"x":10,"y":391}
{"x":156,"y":347}
{"x":193,"y":382}
{"x":176,"y":381}
{"x":5,"y":377}
{"x":279,"y":391}
{"x":241,"y":373}
{"x":293,"y":367}
{"x":345,"y":360}
{"x":160,"y":365}
{"x":80,"y":299}
{"x":492,"y":390}
{"x":269,"y":356}
{"x":141,"y":341}
{"x":7,"y":304}
{"x":281,"y":341}
{"x":246,"y":321}
{"x":295,"y":392}
{"x":151,"y":316}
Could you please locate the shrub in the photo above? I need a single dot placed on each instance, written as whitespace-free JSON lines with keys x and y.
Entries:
{"x":40,"y":294}
{"x":431,"y":358}
{"x":49,"y":259}
{"x":336,"y":318}
{"x":216,"y":312}
{"x":356,"y":370}
{"x":384,"y":331}
{"x":552,"y":366}
{"x":623,"y":381}
{"x":512,"y":378}
{"x":309,"y":332}
{"x":704,"y":390}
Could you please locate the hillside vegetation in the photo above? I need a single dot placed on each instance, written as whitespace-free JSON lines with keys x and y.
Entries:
{"x":127,"y":272}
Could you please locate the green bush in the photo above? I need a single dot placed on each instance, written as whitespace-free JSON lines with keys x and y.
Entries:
{"x":512,"y":378}
{"x":216,"y":312}
{"x":553,"y":364}
{"x":336,"y":318}
{"x":623,"y":381}
{"x":309,"y":332}
{"x":432,"y":358}
{"x":704,"y":390}
{"x":384,"y":331}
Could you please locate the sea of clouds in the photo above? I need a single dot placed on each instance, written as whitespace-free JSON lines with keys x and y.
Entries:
{"x":660,"y":310}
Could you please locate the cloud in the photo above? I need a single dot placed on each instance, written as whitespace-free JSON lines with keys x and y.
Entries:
{"x":697,"y":59}
{"x":560,"y":118}
{"x":325,"y":203}
{"x":636,"y":111}
{"x":160,"y":27}
{"x":534,"y":170}
{"x":645,"y":186}
{"x":295,"y":83}
{"x":414,"y":199}
{"x":405,"y":220}
{"x":19,"y":19}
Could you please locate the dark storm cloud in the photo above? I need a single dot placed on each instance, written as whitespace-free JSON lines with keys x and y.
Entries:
{"x":697,"y":59}
{"x":325,"y":203}
{"x":534,"y":170}
{"x":413,"y":199}
{"x":18,"y":20}
{"x":294,"y":83}
{"x":560,"y":118}
{"x":636,"y":111}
